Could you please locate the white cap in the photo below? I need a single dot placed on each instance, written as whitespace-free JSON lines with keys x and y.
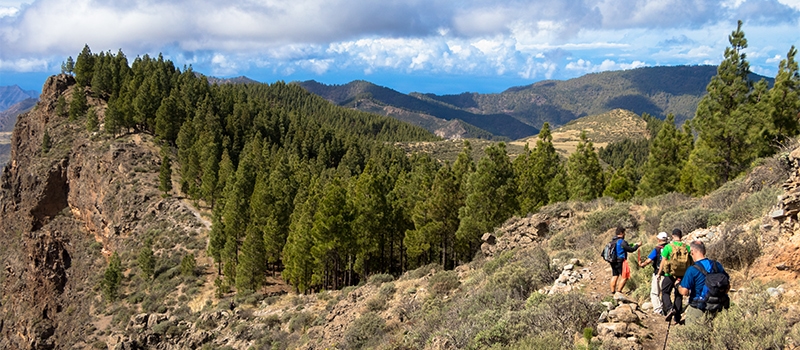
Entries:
{"x":662,"y":236}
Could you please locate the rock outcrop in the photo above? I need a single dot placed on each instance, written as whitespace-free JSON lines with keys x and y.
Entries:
{"x":62,"y":208}
{"x":516,"y":233}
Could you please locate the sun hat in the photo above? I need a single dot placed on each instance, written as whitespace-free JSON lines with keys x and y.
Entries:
{"x":662,"y":236}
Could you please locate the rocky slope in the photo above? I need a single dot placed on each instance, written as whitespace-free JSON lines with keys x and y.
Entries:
{"x":63,"y":212}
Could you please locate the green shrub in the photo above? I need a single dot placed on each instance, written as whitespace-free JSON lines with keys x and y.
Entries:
{"x":542,"y":341}
{"x":558,"y":241}
{"x":365,"y":331}
{"x":376,"y":303}
{"x":443,"y":282}
{"x":753,"y":206}
{"x":530,"y":272}
{"x":188,"y":265}
{"x":736,"y":248}
{"x":499,"y":261}
{"x":534,"y":300}
{"x":687,"y":220}
{"x":300,"y":321}
{"x":725,"y":196}
{"x":387,"y":289}
{"x":272,"y":321}
{"x":380,"y":278}
{"x":602,"y":220}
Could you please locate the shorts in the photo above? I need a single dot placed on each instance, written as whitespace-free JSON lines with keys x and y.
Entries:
{"x":616,"y":268}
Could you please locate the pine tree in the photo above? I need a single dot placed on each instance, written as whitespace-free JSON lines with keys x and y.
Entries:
{"x":78,"y":104}
{"x":785,"y":97}
{"x":371,"y":218}
{"x":622,"y":185}
{"x":61,"y":106}
{"x":436,"y":221}
{"x":84,"y":67}
{"x":112,"y":277}
{"x":729,"y":136}
{"x":668,"y":154}
{"x":584,"y":174}
{"x":542,"y":167}
{"x":46,"y":142}
{"x":91,"y":120}
{"x":69,"y":65}
{"x":299,"y":265}
{"x":146,"y":260}
{"x":333,"y":241}
{"x":491,"y":198}
{"x":252,"y":267}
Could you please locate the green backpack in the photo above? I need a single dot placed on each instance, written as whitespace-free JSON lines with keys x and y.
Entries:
{"x":679,"y":260}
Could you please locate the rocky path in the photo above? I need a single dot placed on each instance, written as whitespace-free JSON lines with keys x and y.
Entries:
{"x":626,"y":325}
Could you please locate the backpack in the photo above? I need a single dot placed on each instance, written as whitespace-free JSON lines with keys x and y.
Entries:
{"x":678,"y":261}
{"x":657,"y":261}
{"x":715,"y":292}
{"x":609,"y":253}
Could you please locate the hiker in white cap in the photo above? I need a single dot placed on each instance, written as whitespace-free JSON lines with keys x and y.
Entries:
{"x":655,"y":284}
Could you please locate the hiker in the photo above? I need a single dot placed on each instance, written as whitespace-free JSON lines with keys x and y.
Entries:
{"x":675,"y":260}
{"x":706,"y":284}
{"x":655,"y":283}
{"x":620,"y":265}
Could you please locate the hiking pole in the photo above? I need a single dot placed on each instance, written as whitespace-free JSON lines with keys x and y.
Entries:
{"x":669,"y":324}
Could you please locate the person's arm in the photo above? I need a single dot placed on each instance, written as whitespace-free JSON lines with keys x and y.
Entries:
{"x":661,"y":266}
{"x":683,"y":285}
{"x":629,"y":248}
{"x":684,"y":291}
{"x":643,"y":264}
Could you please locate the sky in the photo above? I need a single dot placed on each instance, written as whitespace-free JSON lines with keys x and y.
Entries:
{"x":433,"y":46}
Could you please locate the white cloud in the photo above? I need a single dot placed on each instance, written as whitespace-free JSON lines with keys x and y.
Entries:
{"x":24,"y":65}
{"x":775,"y":59}
{"x":584,"y":66}
{"x":8,"y":11}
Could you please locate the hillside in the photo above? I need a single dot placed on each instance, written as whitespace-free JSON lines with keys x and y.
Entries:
{"x":434,"y":116}
{"x":654,"y":90}
{"x":601,"y":129}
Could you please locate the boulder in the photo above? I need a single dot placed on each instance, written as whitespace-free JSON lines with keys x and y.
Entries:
{"x":622,"y":315}
{"x":616,"y":329}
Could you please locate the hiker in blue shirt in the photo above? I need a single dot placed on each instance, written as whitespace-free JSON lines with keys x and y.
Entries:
{"x":703,"y":307}
{"x":620,"y":267}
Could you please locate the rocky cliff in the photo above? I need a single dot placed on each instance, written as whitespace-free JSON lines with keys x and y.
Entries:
{"x":62,"y":212}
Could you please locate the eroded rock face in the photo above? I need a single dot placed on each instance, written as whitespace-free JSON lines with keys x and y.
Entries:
{"x":56,"y":208}
{"x":781,"y":229}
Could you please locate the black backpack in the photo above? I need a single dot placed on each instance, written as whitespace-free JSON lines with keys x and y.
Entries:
{"x":714,"y":295}
{"x":609,"y":253}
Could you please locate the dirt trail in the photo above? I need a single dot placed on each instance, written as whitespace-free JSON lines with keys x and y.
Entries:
{"x":599,"y":288}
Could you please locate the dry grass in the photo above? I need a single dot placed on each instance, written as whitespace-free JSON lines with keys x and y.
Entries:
{"x":601,"y":129}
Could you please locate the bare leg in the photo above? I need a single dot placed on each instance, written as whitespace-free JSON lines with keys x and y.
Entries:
{"x":622,"y":285}
{"x":614,"y":284}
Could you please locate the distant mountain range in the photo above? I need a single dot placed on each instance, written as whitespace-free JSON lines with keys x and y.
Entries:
{"x":441,"y":118}
{"x":521,"y":111}
{"x":11,"y":95}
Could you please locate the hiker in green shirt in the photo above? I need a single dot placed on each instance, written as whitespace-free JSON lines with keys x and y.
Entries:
{"x":675,"y":260}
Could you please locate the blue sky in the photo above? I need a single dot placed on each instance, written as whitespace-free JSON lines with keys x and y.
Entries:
{"x":438,"y":46}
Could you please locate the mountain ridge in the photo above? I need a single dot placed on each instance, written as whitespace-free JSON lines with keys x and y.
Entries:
{"x":657,"y":91}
